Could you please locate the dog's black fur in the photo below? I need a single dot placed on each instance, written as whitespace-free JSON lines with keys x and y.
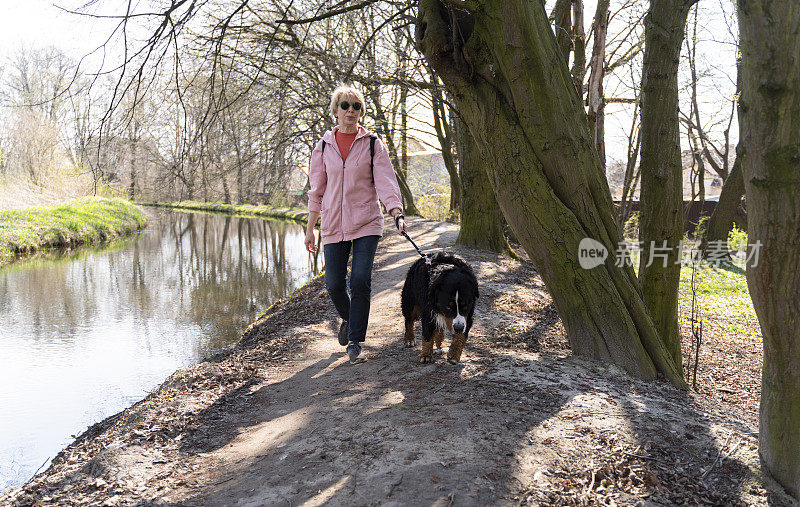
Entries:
{"x":429,"y":294}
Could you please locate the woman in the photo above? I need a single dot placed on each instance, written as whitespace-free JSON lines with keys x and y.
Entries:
{"x":346,"y":183}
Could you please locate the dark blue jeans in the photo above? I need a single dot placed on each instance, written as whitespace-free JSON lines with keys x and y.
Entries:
{"x":354,"y":307}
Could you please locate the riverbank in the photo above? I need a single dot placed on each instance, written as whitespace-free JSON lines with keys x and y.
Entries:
{"x":82,"y":221}
{"x":284,"y":418}
{"x":247,"y":210}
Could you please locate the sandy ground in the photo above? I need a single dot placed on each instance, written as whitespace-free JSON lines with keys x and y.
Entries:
{"x":284,"y":419}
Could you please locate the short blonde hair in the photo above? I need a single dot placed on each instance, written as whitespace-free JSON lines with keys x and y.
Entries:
{"x":345,"y":90}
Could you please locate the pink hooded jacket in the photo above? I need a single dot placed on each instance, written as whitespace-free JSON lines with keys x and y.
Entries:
{"x":344,"y":191}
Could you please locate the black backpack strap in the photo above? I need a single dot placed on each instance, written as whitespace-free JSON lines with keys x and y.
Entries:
{"x":372,"y":151}
{"x":372,"y":139}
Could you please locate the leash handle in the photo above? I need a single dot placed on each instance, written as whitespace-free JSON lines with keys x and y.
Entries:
{"x":427,"y":259}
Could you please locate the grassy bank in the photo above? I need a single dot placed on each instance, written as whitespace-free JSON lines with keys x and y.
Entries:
{"x":298,"y":214}
{"x":86,"y":220}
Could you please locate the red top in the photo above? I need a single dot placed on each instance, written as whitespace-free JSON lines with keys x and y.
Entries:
{"x":345,"y":141}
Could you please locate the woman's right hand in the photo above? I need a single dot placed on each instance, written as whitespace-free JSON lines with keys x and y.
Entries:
{"x":311,"y":241}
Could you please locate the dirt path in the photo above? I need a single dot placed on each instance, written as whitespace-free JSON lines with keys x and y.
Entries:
{"x":284,"y":419}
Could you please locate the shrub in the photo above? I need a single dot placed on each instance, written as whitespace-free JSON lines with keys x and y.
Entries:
{"x":737,"y":239}
{"x":630,"y":231}
{"x":435,"y":205}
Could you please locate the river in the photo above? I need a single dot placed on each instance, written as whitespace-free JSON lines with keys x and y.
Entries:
{"x":85,"y":334}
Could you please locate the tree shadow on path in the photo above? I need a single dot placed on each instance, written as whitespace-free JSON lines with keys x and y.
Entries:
{"x":502,"y":425}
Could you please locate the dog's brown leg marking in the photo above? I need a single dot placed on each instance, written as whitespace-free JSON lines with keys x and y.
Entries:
{"x":426,"y":356}
{"x":409,"y":339}
{"x":456,"y":348}
{"x":438,"y":336}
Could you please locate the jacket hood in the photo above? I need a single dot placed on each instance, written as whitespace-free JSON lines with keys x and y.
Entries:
{"x":329,"y":138}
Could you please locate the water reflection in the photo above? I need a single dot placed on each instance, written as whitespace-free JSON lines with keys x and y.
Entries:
{"x":84,"y":336}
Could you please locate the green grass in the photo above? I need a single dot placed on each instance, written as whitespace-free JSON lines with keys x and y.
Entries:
{"x":722,"y":298}
{"x":248,"y":210}
{"x":87,"y":220}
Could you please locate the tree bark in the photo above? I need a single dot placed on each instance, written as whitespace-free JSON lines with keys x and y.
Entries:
{"x":562,"y":25}
{"x":661,"y":211}
{"x":481,"y":216}
{"x":770,"y":104}
{"x":595,"y":99}
{"x":508,"y":78}
{"x":578,"y":46}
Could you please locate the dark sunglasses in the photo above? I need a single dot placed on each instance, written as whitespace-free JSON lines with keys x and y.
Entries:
{"x":346,"y":105}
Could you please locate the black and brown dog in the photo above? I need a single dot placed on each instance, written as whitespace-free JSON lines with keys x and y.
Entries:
{"x":442,"y":294}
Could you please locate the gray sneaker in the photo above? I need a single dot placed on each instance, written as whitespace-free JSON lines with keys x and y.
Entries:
{"x":354,"y":353}
{"x":343,"y":333}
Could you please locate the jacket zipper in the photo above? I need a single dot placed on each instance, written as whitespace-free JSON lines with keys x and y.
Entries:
{"x":341,"y":203}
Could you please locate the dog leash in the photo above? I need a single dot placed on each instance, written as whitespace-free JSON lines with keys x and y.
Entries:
{"x":427,"y":258}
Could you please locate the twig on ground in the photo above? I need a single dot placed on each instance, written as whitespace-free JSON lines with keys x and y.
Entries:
{"x":719,"y":454}
{"x":224,"y":481}
{"x":591,"y":484}
{"x":438,"y":388}
{"x":36,"y":472}
{"x":651,"y":459}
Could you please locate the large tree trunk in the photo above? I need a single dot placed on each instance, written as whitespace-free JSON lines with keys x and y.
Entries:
{"x":514,"y":91}
{"x":661,"y":211}
{"x":481,"y":216}
{"x":770,"y":42}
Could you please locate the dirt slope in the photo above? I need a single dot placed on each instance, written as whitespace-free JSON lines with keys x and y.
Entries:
{"x":284,"y":419}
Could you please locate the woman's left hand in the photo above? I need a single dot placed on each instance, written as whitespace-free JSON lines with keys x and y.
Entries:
{"x":401,"y":226}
